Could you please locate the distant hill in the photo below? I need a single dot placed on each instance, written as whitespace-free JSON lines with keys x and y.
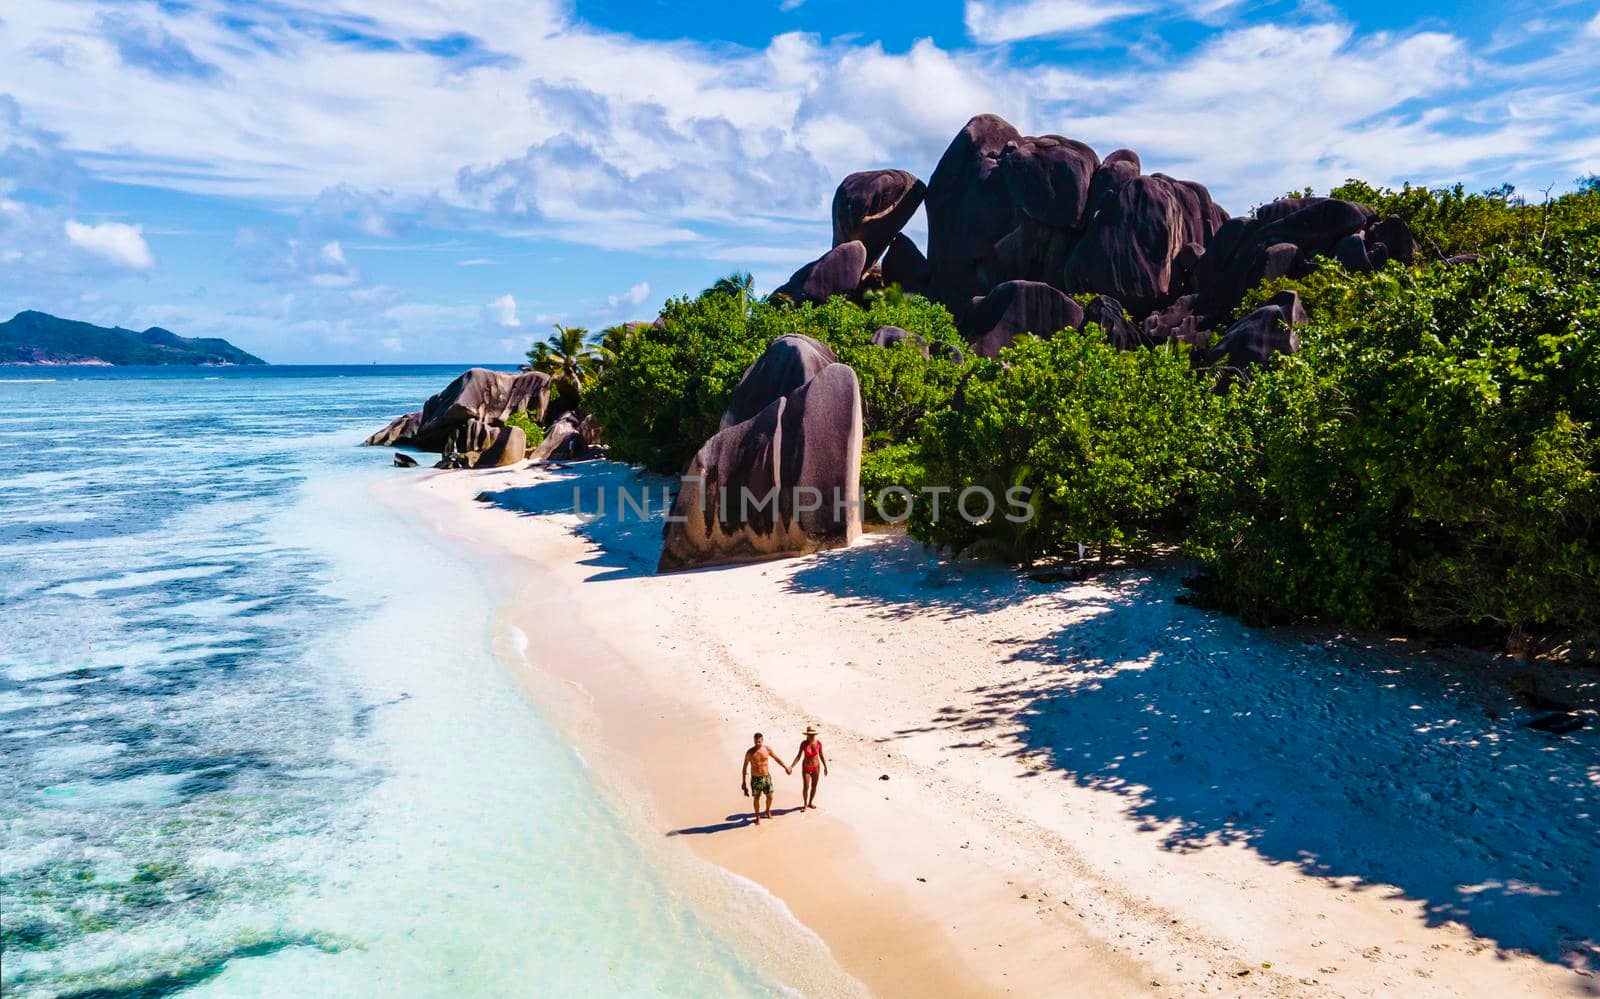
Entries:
{"x":37,"y":338}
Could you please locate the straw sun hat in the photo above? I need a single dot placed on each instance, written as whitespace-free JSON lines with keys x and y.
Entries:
{"x":811,"y":730}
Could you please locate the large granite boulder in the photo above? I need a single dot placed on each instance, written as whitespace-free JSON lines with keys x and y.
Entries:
{"x":469,"y":410}
{"x":1131,"y":243}
{"x":787,"y":363}
{"x":1281,"y":240}
{"x":969,"y":208}
{"x":1107,"y":313}
{"x":1178,"y":322}
{"x":1261,"y":334}
{"x":1113,"y":174}
{"x":889,"y":336}
{"x":468,"y":438}
{"x":1016,"y":307}
{"x":402,"y":429}
{"x":837,"y":272}
{"x":786,"y":481}
{"x":509,"y":448}
{"x":1048,"y":177}
{"x":1033,"y":251}
{"x":871,"y":207}
{"x":905,"y":265}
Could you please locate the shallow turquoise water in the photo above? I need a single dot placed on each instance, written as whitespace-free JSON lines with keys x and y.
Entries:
{"x":253,"y":740}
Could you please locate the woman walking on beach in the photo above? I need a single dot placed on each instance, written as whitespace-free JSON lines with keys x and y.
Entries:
{"x":815,"y":766}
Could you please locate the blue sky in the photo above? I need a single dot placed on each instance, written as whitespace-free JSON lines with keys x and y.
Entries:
{"x":355,"y":180}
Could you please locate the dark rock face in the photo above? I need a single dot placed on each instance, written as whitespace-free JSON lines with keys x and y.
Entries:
{"x":401,"y":428}
{"x":1106,"y":312}
{"x":1131,"y":243}
{"x":570,"y":438}
{"x":403,"y":460}
{"x":905,"y":265}
{"x":1048,"y":178}
{"x":1262,"y":333}
{"x":888,"y":336}
{"x":969,"y":207}
{"x":787,"y":363}
{"x":786,"y":481}
{"x":1004,"y":208}
{"x":871,"y":207}
{"x":1177,"y":322}
{"x":468,"y":411}
{"x":837,"y":272}
{"x":469,"y":438}
{"x":1014,"y":308}
{"x":1282,"y":239}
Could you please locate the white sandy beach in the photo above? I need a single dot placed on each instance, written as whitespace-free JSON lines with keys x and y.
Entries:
{"x":1091,"y":789}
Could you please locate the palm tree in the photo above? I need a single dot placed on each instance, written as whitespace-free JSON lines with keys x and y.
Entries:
{"x":567,"y":357}
{"x":740,"y":283}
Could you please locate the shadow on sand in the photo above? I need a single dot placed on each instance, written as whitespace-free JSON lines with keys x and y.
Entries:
{"x":1361,"y":765}
{"x":627,"y":535}
{"x":737,"y":821}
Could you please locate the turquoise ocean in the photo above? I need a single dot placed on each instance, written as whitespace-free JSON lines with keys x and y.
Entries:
{"x":254,"y":737}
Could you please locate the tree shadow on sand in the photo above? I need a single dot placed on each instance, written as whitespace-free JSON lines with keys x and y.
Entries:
{"x":627,"y":535}
{"x":1352,"y":763}
{"x":892,"y":576}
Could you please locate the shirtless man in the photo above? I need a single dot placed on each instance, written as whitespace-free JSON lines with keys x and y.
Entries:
{"x":756,"y":759}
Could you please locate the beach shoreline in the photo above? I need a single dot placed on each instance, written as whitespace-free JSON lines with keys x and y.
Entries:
{"x":966,"y":871}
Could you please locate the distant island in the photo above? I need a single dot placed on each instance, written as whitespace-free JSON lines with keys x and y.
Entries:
{"x":38,"y":338}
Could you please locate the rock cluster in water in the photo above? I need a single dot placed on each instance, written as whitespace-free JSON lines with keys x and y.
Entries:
{"x":466,"y":422}
{"x":783,"y":475}
{"x":1017,"y":223}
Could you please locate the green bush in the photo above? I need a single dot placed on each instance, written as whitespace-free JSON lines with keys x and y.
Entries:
{"x":530,"y":427}
{"x":884,"y":474}
{"x":1429,"y":459}
{"x":1106,"y":443}
{"x":662,"y":390}
{"x":1451,"y":221}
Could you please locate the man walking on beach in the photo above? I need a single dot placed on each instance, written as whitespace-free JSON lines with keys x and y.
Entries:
{"x":756,"y":759}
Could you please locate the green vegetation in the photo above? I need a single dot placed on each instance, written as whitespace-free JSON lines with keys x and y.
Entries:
{"x":571,"y":360}
{"x":1451,"y":221}
{"x":664,"y":387}
{"x":38,"y":338}
{"x":530,"y":427}
{"x":1103,"y":446}
{"x":1430,"y":460}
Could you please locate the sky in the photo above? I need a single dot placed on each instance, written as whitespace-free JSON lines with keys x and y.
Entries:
{"x":354,"y":181}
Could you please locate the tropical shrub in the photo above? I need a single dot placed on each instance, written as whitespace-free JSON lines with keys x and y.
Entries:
{"x":890,"y":479}
{"x":1451,"y":221}
{"x":1105,"y":446}
{"x":530,"y":427}
{"x":662,"y":389}
{"x":1430,"y":458}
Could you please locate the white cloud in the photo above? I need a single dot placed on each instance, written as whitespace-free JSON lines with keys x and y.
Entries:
{"x":544,"y":126}
{"x":117,"y":242}
{"x":504,"y":311}
{"x":999,"y":23}
{"x":474,"y":262}
{"x":633,"y":296}
{"x":331,"y":269}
